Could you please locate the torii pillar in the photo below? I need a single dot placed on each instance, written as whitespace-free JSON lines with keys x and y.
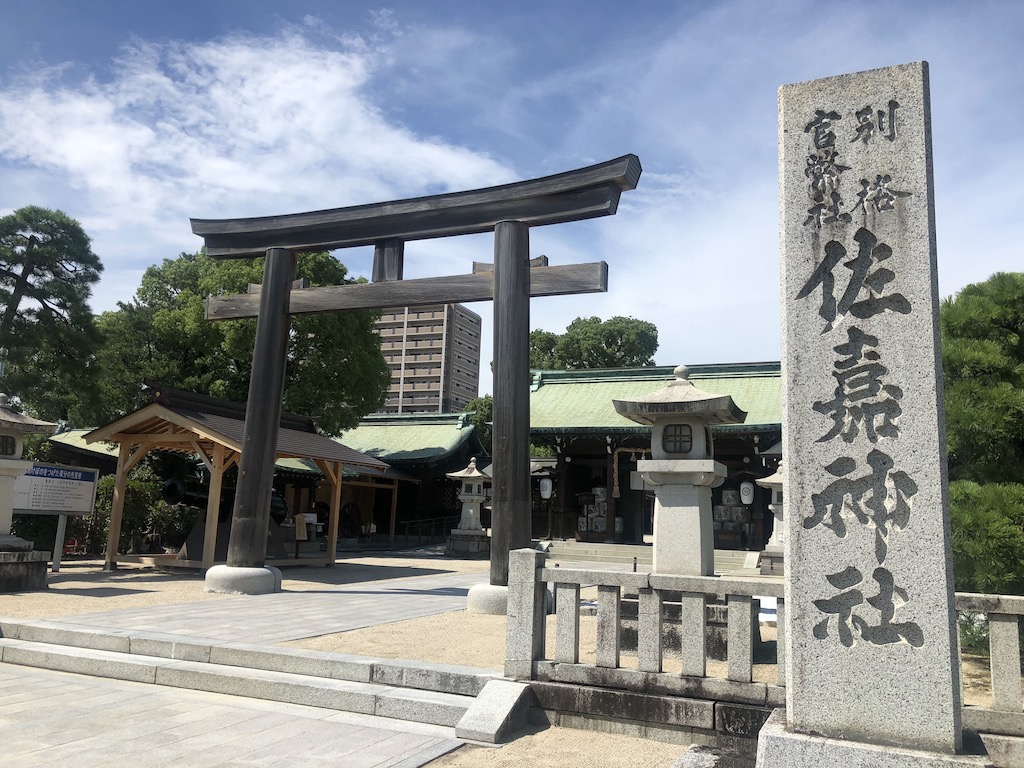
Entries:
{"x":509,"y":211}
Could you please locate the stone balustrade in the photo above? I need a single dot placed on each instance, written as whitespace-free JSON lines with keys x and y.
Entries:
{"x":1002,"y":613}
{"x":531,"y":586}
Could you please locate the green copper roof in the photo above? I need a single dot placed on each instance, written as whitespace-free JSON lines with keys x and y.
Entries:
{"x":582,"y":400}
{"x":418,"y":437}
{"x":74,"y":438}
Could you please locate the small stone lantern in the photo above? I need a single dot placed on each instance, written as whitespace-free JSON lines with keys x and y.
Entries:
{"x":21,"y":568}
{"x":469,"y":537}
{"x":771,"y":557}
{"x":682,"y":470}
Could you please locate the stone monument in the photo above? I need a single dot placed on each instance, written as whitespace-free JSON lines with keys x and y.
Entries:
{"x":872,"y":673}
{"x":21,"y":567}
{"x":469,"y":538}
{"x":682,"y":470}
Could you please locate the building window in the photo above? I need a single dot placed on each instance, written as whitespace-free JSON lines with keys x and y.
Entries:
{"x":677,"y":438}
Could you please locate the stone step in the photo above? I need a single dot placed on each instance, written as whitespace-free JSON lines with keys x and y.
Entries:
{"x":441,"y":678}
{"x":416,"y":705}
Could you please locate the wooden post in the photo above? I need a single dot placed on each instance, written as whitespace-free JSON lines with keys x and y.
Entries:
{"x":510,"y":523}
{"x":332,"y":523}
{"x":213,"y":506}
{"x":117,"y":507}
{"x":388,"y":260}
{"x":394,"y":510}
{"x":247,"y":545}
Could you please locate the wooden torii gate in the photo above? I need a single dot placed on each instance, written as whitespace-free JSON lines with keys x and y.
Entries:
{"x":509,"y":211}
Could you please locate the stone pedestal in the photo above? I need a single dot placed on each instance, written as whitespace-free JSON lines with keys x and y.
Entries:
{"x":488,"y":599}
{"x":779,"y":748}
{"x":468,"y":543}
{"x":683,"y":529}
{"x":772,"y":562}
{"x":21,"y":568}
{"x":23,"y":571}
{"x":239,"y":580}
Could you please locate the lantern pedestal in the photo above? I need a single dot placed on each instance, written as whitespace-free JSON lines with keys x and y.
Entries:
{"x":684,"y":541}
{"x":21,"y":568}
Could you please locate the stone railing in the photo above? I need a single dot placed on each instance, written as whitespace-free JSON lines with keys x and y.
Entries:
{"x":528,"y":658}
{"x":1003,"y":612}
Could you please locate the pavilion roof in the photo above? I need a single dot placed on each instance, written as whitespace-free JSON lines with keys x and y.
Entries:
{"x":183,"y":421}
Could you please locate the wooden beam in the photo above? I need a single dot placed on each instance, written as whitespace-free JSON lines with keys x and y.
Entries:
{"x":543,"y":281}
{"x":137,"y":456}
{"x":579,"y":194}
{"x":302,"y":282}
{"x":487,"y":267}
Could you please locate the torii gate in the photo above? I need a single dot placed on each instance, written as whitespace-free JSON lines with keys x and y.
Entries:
{"x":509,"y":210}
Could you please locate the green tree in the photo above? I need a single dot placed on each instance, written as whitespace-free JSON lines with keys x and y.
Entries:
{"x":47,"y":270}
{"x":589,"y":342}
{"x":983,"y":368}
{"x":482,"y":409}
{"x":983,"y":363}
{"x":335,"y":369}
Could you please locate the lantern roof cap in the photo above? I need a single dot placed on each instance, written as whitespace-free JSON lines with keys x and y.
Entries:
{"x":678,"y":398}
{"x":469,"y":473}
{"x":12,"y":421}
{"x":772,"y":480}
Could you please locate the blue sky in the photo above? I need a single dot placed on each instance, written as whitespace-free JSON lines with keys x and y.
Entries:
{"x":133,"y":116}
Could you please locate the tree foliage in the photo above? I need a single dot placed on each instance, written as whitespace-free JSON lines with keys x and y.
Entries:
{"x":983,"y":364}
{"x":482,"y":409}
{"x":589,"y":342}
{"x":335,"y":370}
{"x":47,"y":270}
{"x":983,"y":360}
{"x":988,"y":537}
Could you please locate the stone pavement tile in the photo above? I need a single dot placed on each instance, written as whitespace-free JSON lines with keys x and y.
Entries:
{"x":294,"y":615}
{"x":153,"y":726}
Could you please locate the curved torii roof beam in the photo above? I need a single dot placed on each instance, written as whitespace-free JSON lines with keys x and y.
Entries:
{"x":584,"y":193}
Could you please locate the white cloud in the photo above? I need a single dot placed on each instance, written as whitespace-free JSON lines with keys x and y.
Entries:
{"x":317,"y":117}
{"x":236,"y":127}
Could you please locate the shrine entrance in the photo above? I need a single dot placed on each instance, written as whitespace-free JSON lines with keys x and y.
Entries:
{"x":509,"y":211}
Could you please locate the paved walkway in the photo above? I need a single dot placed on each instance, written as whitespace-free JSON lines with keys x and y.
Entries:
{"x":284,"y":616}
{"x":61,"y":719}
{"x":56,"y":718}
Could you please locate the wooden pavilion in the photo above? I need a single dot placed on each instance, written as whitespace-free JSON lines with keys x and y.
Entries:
{"x":212,"y":429}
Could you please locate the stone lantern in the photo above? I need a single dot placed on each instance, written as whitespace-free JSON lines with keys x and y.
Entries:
{"x":469,"y":537}
{"x":771,"y":557}
{"x":682,"y":470}
{"x":20,"y":567}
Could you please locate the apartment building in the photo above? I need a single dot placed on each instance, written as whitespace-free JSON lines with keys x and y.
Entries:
{"x":434,"y":356}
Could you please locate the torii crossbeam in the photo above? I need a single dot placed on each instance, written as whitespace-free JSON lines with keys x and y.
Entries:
{"x":509,"y":210}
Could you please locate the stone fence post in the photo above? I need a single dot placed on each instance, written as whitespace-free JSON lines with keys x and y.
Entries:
{"x":525,"y":627}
